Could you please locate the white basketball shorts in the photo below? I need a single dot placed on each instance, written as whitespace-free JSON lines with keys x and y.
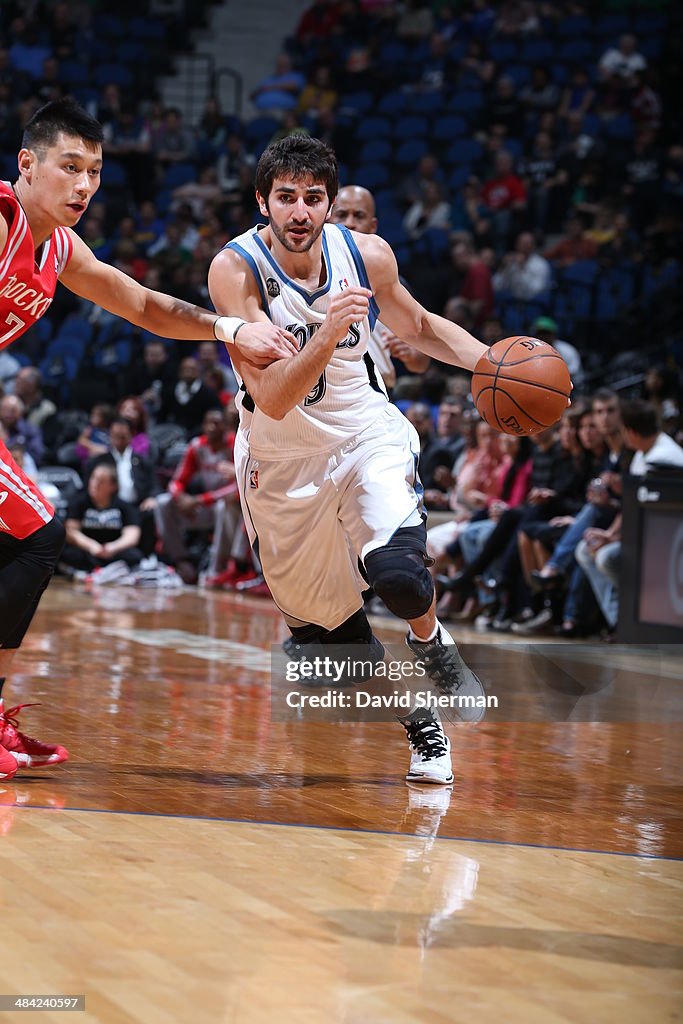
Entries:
{"x":310,"y":519}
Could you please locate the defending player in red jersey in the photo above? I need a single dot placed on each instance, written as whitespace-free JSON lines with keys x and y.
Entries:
{"x":59,"y":173}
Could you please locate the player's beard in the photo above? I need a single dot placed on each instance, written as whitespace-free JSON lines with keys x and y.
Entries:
{"x":281,"y":235}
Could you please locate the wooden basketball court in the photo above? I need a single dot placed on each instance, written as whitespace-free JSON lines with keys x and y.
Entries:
{"x":197,"y":861}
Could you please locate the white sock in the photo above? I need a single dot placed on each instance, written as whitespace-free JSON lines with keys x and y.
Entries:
{"x":446,"y":637}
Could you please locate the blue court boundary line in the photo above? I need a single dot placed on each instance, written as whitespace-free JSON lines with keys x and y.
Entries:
{"x":347,"y":828}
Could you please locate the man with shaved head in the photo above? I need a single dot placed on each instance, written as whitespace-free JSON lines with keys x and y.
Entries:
{"x":355,"y":209}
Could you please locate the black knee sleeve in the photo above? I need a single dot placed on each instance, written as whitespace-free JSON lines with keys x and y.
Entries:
{"x":312,"y":641}
{"x":27,"y":567}
{"x":398,"y":573}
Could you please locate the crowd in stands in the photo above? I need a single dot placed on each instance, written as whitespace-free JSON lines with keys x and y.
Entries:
{"x":526,"y":164}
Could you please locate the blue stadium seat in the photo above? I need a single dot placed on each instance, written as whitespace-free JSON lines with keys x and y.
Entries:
{"x":119,"y":74}
{"x":371,"y":176}
{"x":108,"y":25}
{"x":459,"y":176}
{"x":464,"y":151}
{"x":619,"y":128}
{"x":468,"y":103}
{"x":576,"y":51}
{"x":179,"y":174}
{"x":131,"y":50}
{"x":74,"y":73}
{"x":426,"y":103}
{"x":574,"y":26}
{"x":375,"y":152}
{"x":411,"y":152}
{"x":411,"y":127}
{"x":651,"y":47}
{"x":261,"y":128}
{"x":392,"y":54}
{"x":615,"y":291}
{"x":373,"y":128}
{"x":537,"y":51}
{"x":393,"y":103}
{"x":450,"y":126}
{"x":503,"y":50}
{"x":147,"y":28}
{"x":655,"y":279}
{"x":114,"y":175}
{"x":356,"y":103}
{"x":519,"y":73}
{"x":610,"y":26}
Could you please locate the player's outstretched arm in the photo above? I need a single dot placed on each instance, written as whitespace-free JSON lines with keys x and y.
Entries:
{"x":162,"y":314}
{"x":277,"y":388}
{"x":429,"y":333}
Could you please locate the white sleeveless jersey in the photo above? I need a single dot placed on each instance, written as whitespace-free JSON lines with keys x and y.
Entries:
{"x":350,"y":394}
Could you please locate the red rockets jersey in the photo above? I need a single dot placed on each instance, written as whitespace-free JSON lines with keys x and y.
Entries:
{"x":27,"y":279}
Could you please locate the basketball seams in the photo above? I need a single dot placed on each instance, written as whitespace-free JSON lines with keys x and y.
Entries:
{"x":525,"y":383}
{"x":492,"y":376}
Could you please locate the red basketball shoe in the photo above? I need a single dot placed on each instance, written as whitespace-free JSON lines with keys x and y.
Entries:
{"x":24,"y":750}
{"x":8,"y":765}
{"x":226,"y":578}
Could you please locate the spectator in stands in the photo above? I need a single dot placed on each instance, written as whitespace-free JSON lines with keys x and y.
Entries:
{"x":318,"y":21}
{"x":211,"y":130}
{"x":646,"y":103}
{"x":441,"y":452}
{"x":545,"y":328}
{"x":643,"y":170}
{"x":101,"y":527}
{"x":175,"y":143}
{"x":505,"y":196}
{"x":516,"y":18}
{"x":573,"y":246}
{"x":16,"y":430}
{"x":624,"y":246}
{"x":504,"y":109}
{"x":280,"y":91}
{"x":430,"y":211}
{"x":469,"y":213}
{"x":51,"y":85}
{"x":416,"y":21}
{"x":94,"y":438}
{"x":318,"y":95}
{"x":578,"y":97}
{"x":523,"y":273}
{"x":643,"y":435}
{"x":476,"y":285}
{"x":545,"y":181}
{"x":579,"y":147}
{"x":136,"y":474}
{"x":203,"y":496}
{"x":28,"y":386}
{"x":427,"y":171}
{"x":152,"y":376}
{"x":620,"y":64}
{"x":188,"y":400}
{"x":132,"y":409}
{"x":539,"y":95}
{"x":9,"y":368}
{"x":235,"y":169}
{"x":599,"y":551}
{"x":476,"y":65}
{"x":207,"y":357}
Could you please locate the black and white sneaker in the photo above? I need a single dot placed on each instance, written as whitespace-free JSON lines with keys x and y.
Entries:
{"x":430,"y":749}
{"x":451,"y":676}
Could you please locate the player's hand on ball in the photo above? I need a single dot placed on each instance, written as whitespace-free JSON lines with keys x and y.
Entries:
{"x":263,"y":344}
{"x":345,"y":308}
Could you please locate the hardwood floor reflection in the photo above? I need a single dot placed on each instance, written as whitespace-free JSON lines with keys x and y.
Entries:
{"x":163,"y":701}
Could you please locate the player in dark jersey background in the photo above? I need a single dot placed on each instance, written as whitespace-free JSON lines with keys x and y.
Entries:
{"x":59,"y":172}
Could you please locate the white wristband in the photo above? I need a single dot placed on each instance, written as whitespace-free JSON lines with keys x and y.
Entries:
{"x":226,"y":327}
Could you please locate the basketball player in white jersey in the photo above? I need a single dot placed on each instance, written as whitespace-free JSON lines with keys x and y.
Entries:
{"x":354,"y":207}
{"x":326,"y":466}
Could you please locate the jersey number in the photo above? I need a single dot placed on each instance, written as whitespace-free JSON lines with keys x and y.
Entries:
{"x":15,"y":325}
{"x":318,"y":392}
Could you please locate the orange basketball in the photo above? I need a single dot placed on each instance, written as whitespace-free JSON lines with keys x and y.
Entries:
{"x":521,"y":386}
